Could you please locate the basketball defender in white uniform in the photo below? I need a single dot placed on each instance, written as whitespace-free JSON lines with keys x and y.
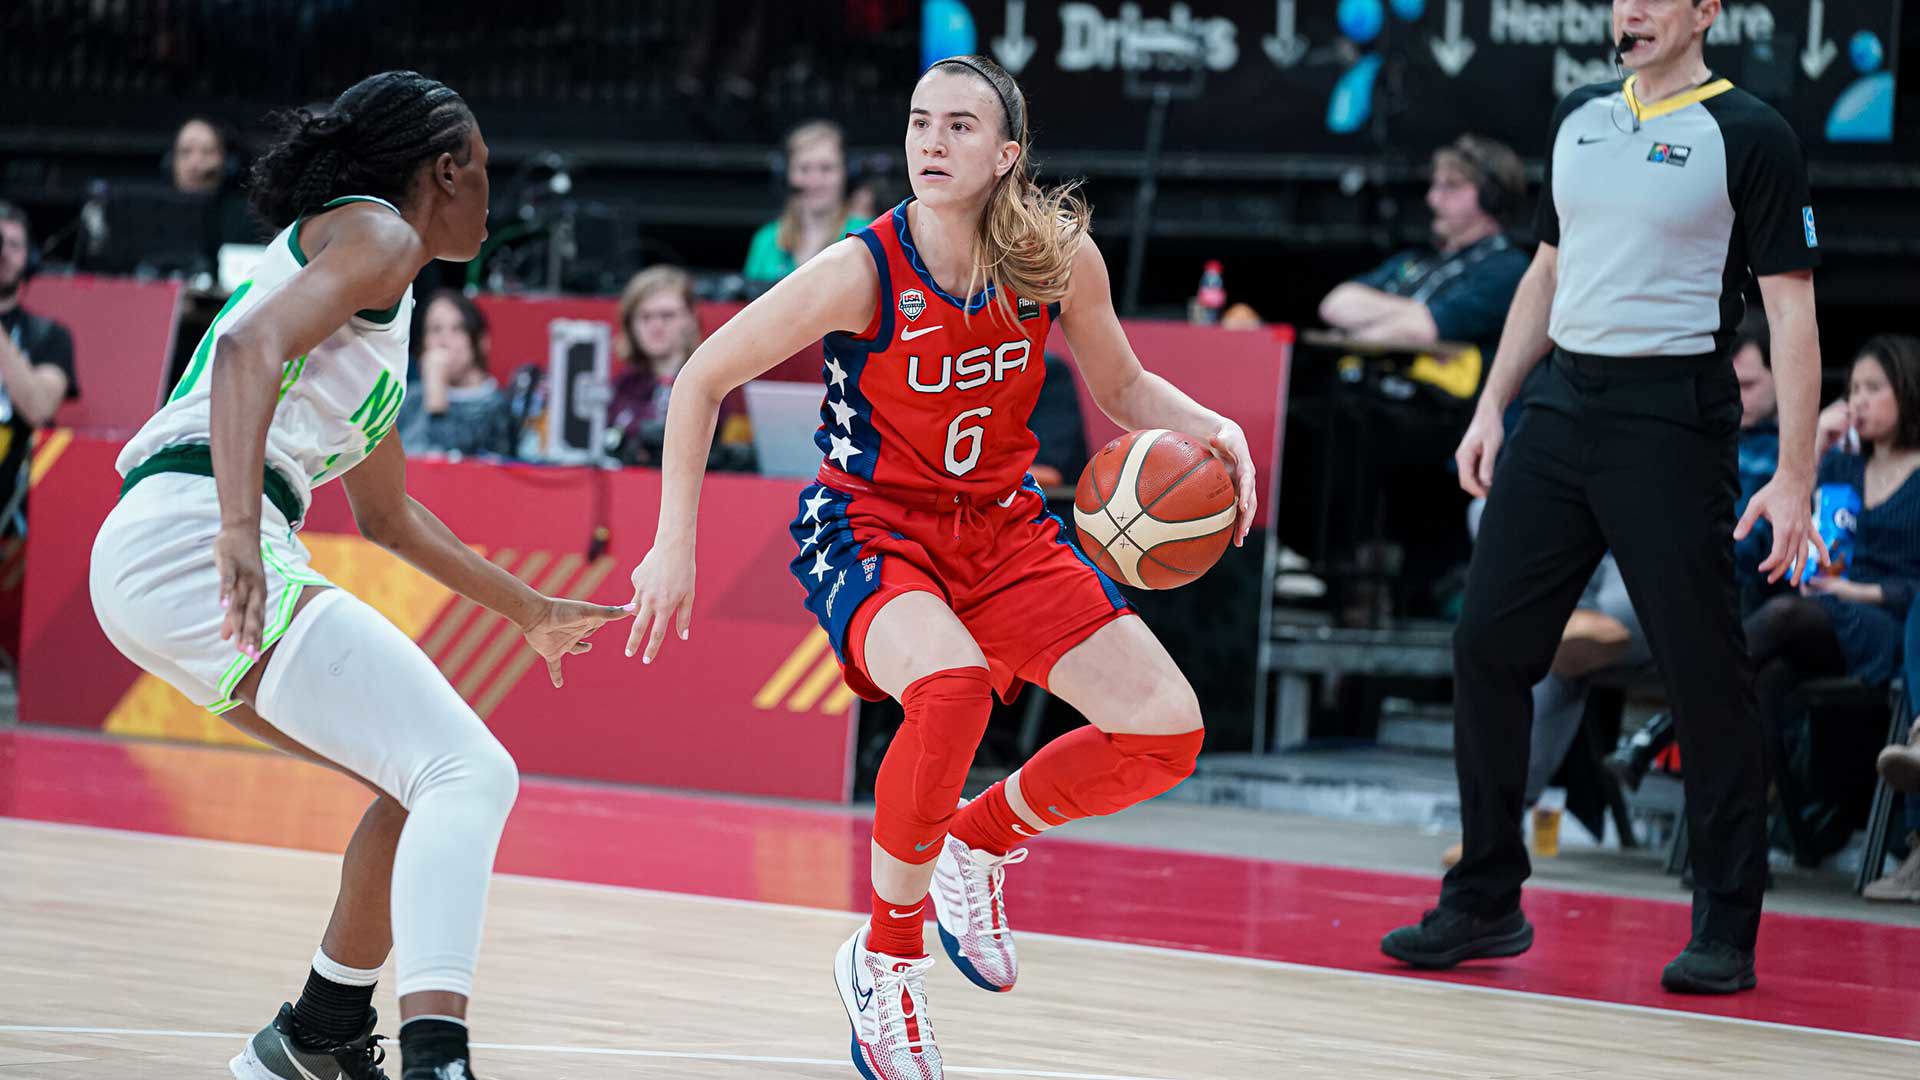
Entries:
{"x":199,"y":577}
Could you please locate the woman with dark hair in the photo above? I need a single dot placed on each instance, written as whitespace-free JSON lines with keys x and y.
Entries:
{"x":460,"y":408}
{"x":926,"y":549}
{"x":1850,"y":618}
{"x":198,"y":577}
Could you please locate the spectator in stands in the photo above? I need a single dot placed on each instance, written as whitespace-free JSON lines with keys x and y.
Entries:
{"x":1759,"y":453}
{"x":1901,"y":766}
{"x":817,"y":211}
{"x":659,"y":329}
{"x":1850,"y":620}
{"x":1059,"y":427}
{"x":36,"y":371}
{"x":1451,"y":296}
{"x":205,"y":163}
{"x":458,"y":408}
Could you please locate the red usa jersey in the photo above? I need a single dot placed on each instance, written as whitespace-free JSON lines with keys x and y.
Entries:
{"x":935,"y":394}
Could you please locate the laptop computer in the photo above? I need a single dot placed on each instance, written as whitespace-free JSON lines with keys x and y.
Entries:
{"x":784,"y":416}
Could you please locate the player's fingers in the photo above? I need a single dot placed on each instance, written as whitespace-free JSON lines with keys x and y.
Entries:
{"x":553,"y":672}
{"x":1811,"y":535}
{"x":256,"y":619}
{"x":1467,"y":464}
{"x":656,"y":636}
{"x":642,"y":612}
{"x":1489,"y":449}
{"x":1747,"y":520}
{"x":683,"y":618}
{"x":580,"y":647}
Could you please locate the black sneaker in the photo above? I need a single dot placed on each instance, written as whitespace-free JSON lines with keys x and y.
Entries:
{"x":1445,"y":937}
{"x":285,"y":1051}
{"x":1709,"y":967}
{"x":1630,"y":763}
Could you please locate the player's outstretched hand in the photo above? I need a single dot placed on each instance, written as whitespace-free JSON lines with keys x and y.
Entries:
{"x":1789,"y":505}
{"x":1230,"y":446}
{"x":563,"y":628}
{"x":243,"y":587}
{"x":662,"y":593}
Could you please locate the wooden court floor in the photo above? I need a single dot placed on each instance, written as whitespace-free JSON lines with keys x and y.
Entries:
{"x":127,"y":955}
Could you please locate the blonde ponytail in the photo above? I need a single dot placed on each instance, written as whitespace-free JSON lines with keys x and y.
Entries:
{"x":1029,"y":234}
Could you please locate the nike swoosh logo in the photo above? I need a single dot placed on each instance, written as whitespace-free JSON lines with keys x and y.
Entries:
{"x":287,"y":1049}
{"x":865,"y":996}
{"x":1583,"y":140}
{"x":892,"y":914}
{"x":909,"y":335}
{"x":925,"y":846}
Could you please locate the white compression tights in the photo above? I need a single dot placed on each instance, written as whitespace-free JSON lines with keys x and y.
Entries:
{"x":348,"y":685}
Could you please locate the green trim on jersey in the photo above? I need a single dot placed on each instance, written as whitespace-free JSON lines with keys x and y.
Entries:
{"x":383,"y":316}
{"x":205,"y":352}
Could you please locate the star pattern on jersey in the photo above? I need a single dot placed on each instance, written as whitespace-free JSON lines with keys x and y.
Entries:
{"x":813,"y":505}
{"x":842,"y":413}
{"x":820,"y":566}
{"x":843,"y":451}
{"x":837,"y":375}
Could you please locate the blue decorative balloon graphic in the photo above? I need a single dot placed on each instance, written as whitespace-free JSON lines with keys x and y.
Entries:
{"x":946,"y":29}
{"x":1865,"y":52}
{"x":1864,"y":111}
{"x":1409,"y":10}
{"x":1360,"y":20}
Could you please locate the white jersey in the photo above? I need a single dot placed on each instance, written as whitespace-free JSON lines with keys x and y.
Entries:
{"x":336,"y":403}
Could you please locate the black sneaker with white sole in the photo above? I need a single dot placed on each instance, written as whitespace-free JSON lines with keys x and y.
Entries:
{"x":1445,"y":937}
{"x":283,"y":1051}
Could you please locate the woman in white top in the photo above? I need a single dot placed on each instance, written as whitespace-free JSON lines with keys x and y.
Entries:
{"x":197,"y":574}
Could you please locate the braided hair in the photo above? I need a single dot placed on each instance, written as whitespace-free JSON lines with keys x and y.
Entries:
{"x":369,"y":142}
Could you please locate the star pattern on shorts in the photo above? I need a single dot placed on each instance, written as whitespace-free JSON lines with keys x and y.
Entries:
{"x":843,"y":451}
{"x":842,"y":413}
{"x":837,"y":375}
{"x":818,"y":528}
{"x":813,"y":505}
{"x":820,"y":566}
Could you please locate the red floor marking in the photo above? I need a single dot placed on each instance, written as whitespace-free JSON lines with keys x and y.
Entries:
{"x":1826,"y":973}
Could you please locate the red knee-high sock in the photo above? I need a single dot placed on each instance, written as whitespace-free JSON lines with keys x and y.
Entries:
{"x":1084,"y":773}
{"x":919,"y":787}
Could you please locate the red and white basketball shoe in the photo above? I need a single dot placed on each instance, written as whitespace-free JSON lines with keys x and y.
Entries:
{"x":972,"y":913}
{"x":886,"y":1000}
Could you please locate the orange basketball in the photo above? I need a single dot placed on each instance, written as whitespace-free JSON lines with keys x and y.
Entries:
{"x":1154,"y":509}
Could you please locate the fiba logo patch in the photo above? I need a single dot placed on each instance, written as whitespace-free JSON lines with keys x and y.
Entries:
{"x":1670,"y":154}
{"x":1028,"y":310}
{"x":912,"y":303}
{"x":1806,"y":220}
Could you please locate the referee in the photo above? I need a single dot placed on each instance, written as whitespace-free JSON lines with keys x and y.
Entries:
{"x":1664,"y":191}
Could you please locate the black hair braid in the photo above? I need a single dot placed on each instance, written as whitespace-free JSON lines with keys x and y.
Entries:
{"x":370,"y":141}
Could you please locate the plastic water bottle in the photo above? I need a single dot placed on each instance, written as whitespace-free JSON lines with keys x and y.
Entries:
{"x":1836,"y":516}
{"x":1212,"y":296}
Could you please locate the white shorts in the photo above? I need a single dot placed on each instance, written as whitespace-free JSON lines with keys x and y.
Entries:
{"x":157,"y":595}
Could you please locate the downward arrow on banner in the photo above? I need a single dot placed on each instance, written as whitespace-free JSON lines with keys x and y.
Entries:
{"x":1820,"y":50}
{"x":1013,"y":48}
{"x":1284,"y":47}
{"x":1453,"y":51}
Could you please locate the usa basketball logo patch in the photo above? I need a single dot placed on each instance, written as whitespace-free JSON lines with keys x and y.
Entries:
{"x":912,"y":303}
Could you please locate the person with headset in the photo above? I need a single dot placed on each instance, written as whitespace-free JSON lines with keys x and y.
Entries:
{"x":1666,"y":190}
{"x":1439,"y":308}
{"x":205,"y":163}
{"x":813,"y":172}
{"x":36,"y":368}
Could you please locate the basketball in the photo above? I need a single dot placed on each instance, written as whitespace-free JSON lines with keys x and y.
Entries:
{"x":1154,"y":509}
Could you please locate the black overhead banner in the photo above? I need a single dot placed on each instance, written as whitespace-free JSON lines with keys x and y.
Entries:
{"x":1344,"y":76}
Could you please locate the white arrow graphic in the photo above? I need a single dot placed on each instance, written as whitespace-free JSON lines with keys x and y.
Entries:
{"x":1284,"y":47}
{"x":1013,"y":48}
{"x":1453,"y":51}
{"x":1820,"y":51}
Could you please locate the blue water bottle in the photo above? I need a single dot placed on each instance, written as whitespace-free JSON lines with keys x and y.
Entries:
{"x":1836,"y":516}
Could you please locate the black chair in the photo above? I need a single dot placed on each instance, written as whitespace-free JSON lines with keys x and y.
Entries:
{"x":1880,"y":823}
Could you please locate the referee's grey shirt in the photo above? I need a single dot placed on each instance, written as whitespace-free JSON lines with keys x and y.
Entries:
{"x":1661,"y":211}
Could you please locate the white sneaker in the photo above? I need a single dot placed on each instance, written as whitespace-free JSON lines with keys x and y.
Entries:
{"x":886,"y":1002}
{"x":972,"y":913}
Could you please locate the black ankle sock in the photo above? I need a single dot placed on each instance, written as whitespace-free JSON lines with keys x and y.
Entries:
{"x":429,"y":1042}
{"x":330,"y":1010}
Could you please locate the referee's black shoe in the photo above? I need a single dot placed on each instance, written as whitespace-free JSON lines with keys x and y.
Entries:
{"x":1445,"y":937}
{"x":1709,"y":967}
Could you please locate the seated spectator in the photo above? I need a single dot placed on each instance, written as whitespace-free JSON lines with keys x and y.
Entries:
{"x":1850,"y":620}
{"x":1452,"y":296}
{"x":205,"y":163}
{"x":817,"y":212}
{"x":36,"y":371}
{"x":458,"y":408}
{"x":1901,"y":766}
{"x":659,"y":329}
{"x":1759,"y":454}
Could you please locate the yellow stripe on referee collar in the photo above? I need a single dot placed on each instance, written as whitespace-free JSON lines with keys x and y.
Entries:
{"x":1644,"y":113}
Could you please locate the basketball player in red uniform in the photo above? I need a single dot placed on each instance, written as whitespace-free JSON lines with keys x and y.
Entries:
{"x":926,"y":550}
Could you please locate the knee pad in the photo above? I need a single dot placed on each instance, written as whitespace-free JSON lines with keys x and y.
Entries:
{"x":1155,"y":764}
{"x":918,"y":789}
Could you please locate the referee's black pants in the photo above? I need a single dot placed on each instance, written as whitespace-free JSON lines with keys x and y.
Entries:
{"x":1637,"y":455}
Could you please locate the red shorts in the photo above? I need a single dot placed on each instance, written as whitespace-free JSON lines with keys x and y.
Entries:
{"x":1009,"y":570}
